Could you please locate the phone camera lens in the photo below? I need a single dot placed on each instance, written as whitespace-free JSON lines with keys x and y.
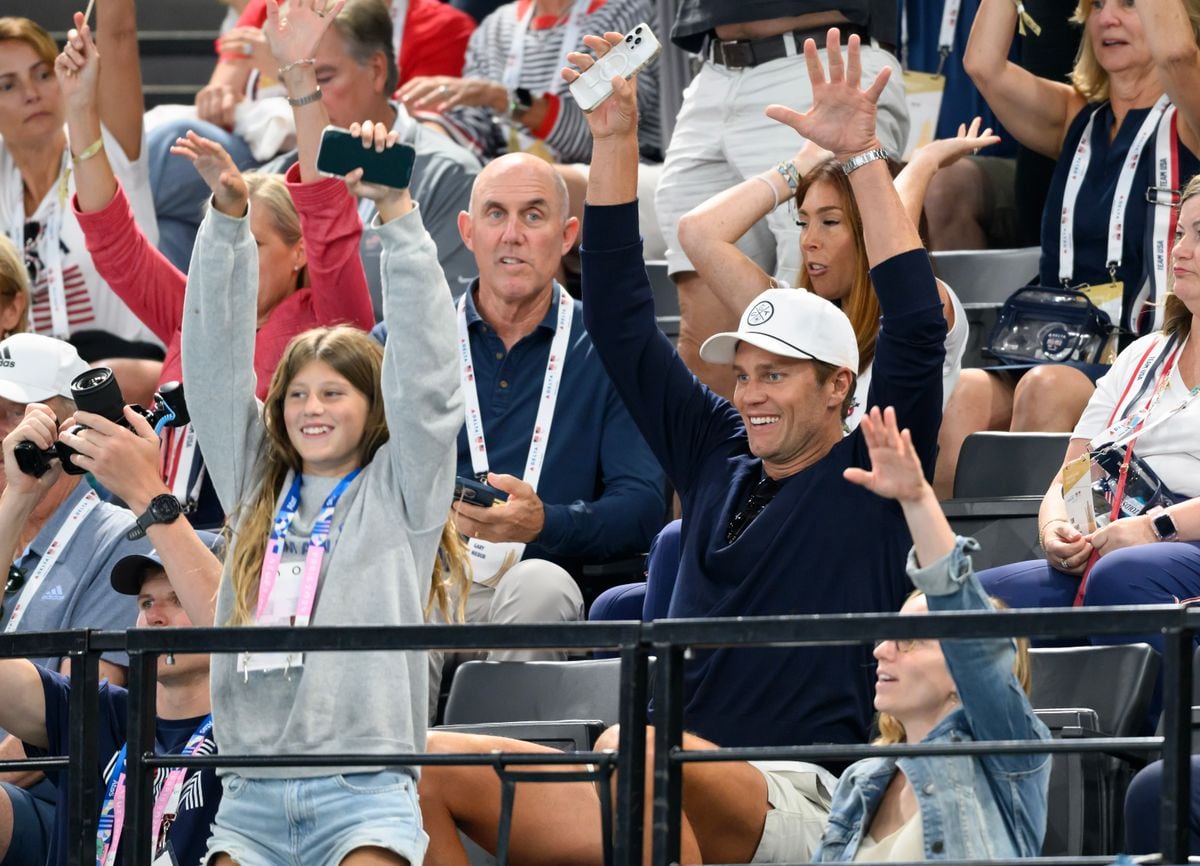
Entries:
{"x":637,"y":41}
{"x":637,"y":30}
{"x":628,"y":38}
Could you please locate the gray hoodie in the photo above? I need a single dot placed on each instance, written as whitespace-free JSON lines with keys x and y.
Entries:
{"x":386,"y":526}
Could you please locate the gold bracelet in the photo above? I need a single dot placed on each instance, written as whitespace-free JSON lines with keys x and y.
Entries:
{"x":1045,"y":526}
{"x":288,"y":67}
{"x":91,"y":150}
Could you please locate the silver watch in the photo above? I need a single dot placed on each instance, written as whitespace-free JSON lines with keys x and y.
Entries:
{"x":856,"y":162}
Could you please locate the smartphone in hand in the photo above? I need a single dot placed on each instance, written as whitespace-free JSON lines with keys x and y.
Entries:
{"x":476,"y":492}
{"x":341,"y":153}
{"x":626,"y":59}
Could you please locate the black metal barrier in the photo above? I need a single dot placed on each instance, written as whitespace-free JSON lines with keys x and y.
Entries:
{"x":667,"y":640}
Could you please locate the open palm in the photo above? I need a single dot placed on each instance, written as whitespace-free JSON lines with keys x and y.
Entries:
{"x":842,"y":117}
{"x":895,"y":468}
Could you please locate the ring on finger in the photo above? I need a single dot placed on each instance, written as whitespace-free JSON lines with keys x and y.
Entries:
{"x":1063,"y":561}
{"x":444,"y":89}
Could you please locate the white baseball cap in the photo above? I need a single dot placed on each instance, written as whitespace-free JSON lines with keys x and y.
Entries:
{"x":34,"y":367}
{"x":794,"y":323}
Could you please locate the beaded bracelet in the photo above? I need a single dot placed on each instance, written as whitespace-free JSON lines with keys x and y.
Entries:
{"x":790,"y":173}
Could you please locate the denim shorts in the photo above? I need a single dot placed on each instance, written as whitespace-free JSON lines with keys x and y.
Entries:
{"x":317,"y":821}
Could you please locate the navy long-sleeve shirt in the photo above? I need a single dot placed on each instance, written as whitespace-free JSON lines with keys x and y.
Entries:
{"x":822,"y":545}
{"x":601,"y":486}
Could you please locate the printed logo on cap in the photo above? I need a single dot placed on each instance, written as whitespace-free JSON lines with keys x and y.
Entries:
{"x":6,"y":359}
{"x":760,"y":314}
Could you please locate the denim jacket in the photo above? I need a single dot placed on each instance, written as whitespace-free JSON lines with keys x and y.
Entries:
{"x":971,"y":806}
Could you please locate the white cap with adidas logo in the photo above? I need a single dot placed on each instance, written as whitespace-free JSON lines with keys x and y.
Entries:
{"x":34,"y":367}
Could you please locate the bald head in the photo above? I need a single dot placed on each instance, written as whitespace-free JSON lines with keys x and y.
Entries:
{"x":526,"y":171}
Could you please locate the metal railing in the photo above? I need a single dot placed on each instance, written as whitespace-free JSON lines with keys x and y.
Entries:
{"x":666,"y":640}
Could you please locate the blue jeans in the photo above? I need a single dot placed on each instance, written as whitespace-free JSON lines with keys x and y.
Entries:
{"x":650,"y":600}
{"x":179,"y":191}
{"x":317,"y":821}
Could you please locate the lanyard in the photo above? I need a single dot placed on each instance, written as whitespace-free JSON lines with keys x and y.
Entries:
{"x":177,"y":462}
{"x":950,"y":11}
{"x":516,"y":52}
{"x":1128,"y":431}
{"x":399,"y":10}
{"x":47,"y":247}
{"x":1120,"y":202}
{"x":1164,"y":196}
{"x":166,"y":804}
{"x":557,"y":360}
{"x":313,"y":558}
{"x":54,"y":550}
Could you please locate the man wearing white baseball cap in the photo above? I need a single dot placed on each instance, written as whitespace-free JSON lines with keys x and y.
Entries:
{"x":61,"y":542}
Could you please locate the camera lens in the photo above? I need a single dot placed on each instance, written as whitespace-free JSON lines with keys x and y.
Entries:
{"x":96,"y":390}
{"x":637,"y":41}
{"x":628,"y":38}
{"x":637,"y":30}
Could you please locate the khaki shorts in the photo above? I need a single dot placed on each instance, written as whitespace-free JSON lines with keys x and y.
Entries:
{"x":799,"y":795}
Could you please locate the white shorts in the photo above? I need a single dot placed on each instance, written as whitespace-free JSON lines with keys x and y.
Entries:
{"x":723,"y":136}
{"x":799,"y":796}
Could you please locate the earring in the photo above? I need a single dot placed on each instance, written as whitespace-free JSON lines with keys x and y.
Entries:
{"x":954,"y":698}
{"x":170,"y":659}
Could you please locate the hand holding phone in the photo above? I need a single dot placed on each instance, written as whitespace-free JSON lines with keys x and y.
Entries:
{"x":342,"y":152}
{"x":474,"y":492}
{"x":627,"y":59}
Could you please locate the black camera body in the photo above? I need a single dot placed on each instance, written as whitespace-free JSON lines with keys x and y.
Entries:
{"x":96,"y":390}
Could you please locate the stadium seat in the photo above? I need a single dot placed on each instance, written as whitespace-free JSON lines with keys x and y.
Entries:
{"x":1090,"y":691}
{"x":485,"y":692}
{"x":993,"y":464}
{"x":666,"y":298}
{"x":1006,"y":528}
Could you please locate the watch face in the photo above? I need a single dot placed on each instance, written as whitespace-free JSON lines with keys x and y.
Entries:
{"x":1164,"y":526}
{"x":164,"y":508}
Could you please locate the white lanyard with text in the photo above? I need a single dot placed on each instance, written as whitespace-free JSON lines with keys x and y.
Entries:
{"x":1165,"y":198}
{"x":950,"y":11}
{"x":166,"y":804}
{"x":489,"y":560}
{"x":1134,"y":426}
{"x":54,"y":550}
{"x":570,"y":42}
{"x":311,"y":575}
{"x":47,"y":248}
{"x":1120,"y":202}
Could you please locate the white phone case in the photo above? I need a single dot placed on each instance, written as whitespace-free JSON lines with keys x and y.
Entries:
{"x":626,"y":59}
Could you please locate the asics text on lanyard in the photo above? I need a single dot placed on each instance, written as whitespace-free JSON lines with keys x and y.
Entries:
{"x":166,"y":804}
{"x":1120,"y":202}
{"x":54,"y":550}
{"x":488,"y":558}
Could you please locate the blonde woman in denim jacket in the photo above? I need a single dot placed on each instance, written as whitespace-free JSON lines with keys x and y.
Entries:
{"x":939,"y":808}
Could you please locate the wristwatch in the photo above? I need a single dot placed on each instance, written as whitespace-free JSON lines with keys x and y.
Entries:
{"x":163,"y":508}
{"x":1164,"y":526}
{"x":520,"y":100}
{"x":857,"y":162}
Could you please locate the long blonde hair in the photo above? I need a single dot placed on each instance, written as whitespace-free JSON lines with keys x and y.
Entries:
{"x":354,"y":355}
{"x":1088,"y":77}
{"x":891,"y":731}
{"x":270,"y":192}
{"x":14,"y":285}
{"x":451,"y":580}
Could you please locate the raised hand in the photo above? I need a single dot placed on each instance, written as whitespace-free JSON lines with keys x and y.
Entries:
{"x":295,"y":35}
{"x":78,"y":66}
{"x":946,"y":151}
{"x":895,"y":468}
{"x":251,"y":43}
{"x":123,"y":459}
{"x":842,"y":117}
{"x":390,"y":202}
{"x":230,"y":194}
{"x":616,"y":116}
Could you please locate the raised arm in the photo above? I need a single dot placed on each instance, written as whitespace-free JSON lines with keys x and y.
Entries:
{"x":422,"y":398}
{"x":220,"y":312}
{"x":121,"y":101}
{"x":709,"y":233}
{"x":913,"y":181}
{"x":1035,"y":110}
{"x":1172,"y":41}
{"x":842,"y":120}
{"x":294,"y":35}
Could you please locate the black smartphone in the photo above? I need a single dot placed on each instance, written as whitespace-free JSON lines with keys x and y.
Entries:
{"x":342,"y":152}
{"x":476,"y":492}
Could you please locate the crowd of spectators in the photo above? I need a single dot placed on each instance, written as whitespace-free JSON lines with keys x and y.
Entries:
{"x":340,"y":363}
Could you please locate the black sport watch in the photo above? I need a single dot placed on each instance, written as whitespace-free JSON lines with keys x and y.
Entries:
{"x":520,"y":100}
{"x":163,"y":508}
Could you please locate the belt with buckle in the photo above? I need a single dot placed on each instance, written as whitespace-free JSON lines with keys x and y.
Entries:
{"x":744,"y":53}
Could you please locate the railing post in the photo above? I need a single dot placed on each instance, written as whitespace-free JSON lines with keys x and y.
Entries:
{"x":139,"y":779}
{"x":1177,"y":735}
{"x":631,"y":757}
{"x":668,"y":734}
{"x":83,"y":793}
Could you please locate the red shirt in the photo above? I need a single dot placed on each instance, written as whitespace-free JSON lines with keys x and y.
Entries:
{"x":434,"y":41}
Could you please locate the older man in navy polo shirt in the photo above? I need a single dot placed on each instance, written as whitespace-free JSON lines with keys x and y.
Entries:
{"x":544,"y":424}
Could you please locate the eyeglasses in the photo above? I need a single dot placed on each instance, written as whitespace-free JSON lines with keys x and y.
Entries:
{"x":16,"y":579}
{"x":904,"y":645}
{"x":763,"y":493}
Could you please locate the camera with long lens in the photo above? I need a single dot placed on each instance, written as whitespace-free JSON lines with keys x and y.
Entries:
{"x":96,"y":390}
